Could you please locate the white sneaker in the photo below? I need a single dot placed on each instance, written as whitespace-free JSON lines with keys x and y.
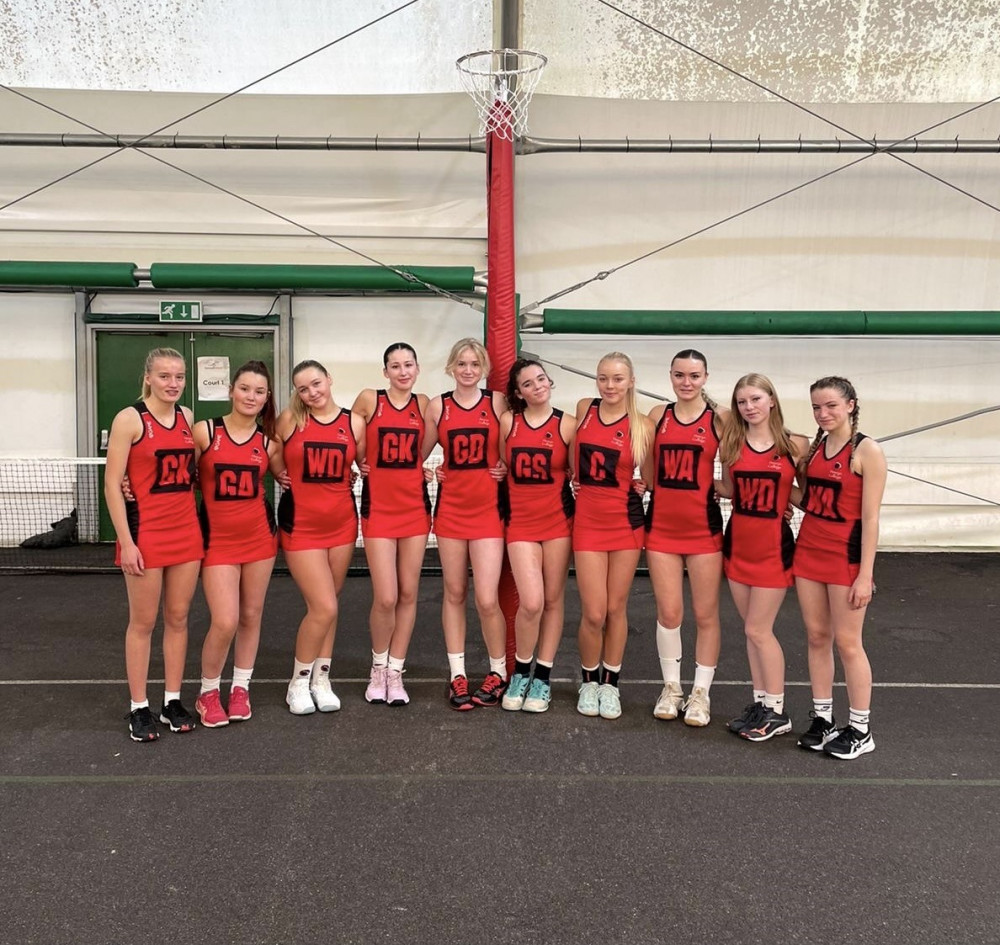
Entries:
{"x":698,"y":710}
{"x":671,"y":700}
{"x":609,"y":701}
{"x":298,"y":698}
{"x":324,"y":697}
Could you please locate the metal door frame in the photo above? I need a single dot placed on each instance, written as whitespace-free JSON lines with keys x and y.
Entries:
{"x":86,"y":360}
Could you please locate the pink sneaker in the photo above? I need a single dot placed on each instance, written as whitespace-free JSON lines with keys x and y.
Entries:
{"x":376,"y":685}
{"x":239,"y":704}
{"x":395,"y":692}
{"x":209,"y":706}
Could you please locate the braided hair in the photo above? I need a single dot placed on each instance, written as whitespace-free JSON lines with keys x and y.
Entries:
{"x":846,"y":390}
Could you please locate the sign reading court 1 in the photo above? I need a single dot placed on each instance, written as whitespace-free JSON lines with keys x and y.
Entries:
{"x":180,"y":311}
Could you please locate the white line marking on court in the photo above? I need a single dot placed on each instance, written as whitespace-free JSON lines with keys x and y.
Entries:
{"x":437,"y":680}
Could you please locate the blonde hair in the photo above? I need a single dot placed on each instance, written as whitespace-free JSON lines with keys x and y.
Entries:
{"x":638,"y":431}
{"x":458,"y":347}
{"x":734,"y":433}
{"x":299,"y":411}
{"x":846,"y":390}
{"x":148,"y":366}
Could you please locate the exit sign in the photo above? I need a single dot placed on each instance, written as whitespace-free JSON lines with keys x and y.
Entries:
{"x":180,"y":311}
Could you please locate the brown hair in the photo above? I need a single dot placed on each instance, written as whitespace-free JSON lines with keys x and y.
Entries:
{"x":693,"y":354}
{"x":269,"y":412}
{"x":846,"y":390}
{"x":515,"y":402}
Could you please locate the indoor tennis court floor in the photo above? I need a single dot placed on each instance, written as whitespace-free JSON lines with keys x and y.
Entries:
{"x":424,"y":825}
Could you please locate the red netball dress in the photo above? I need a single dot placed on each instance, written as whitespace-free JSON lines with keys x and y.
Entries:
{"x":609,"y":515}
{"x":319,"y":510}
{"x":394,"y":499}
{"x":829,"y":545}
{"x":468,"y":501}
{"x":758,"y":544}
{"x":237,"y":520}
{"x":163,"y":519}
{"x":683,"y":517}
{"x":541,"y":501}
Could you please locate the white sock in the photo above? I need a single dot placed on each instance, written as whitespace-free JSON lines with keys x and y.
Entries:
{"x":668,"y":647}
{"x":241,"y":677}
{"x":859,"y":719}
{"x":704,"y":676}
{"x":396,"y":665}
{"x":380,"y":659}
{"x":499,"y":666}
{"x":301,"y":671}
{"x":823,"y":709}
{"x":207,"y":685}
{"x":139,"y":705}
{"x":170,"y":696}
{"x":456,"y":664}
{"x":321,"y":668}
{"x":775,"y":701}
{"x":758,"y":696}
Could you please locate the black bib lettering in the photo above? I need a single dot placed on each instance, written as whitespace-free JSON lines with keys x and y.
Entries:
{"x":677,"y":466}
{"x":397,"y":449}
{"x":324,"y":462}
{"x":236,"y":481}
{"x":467,"y":448}
{"x":174,"y":471}
{"x":531,"y":465}
{"x":598,"y":466}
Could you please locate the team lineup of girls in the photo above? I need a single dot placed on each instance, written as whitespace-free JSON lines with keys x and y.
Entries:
{"x":520,"y":477}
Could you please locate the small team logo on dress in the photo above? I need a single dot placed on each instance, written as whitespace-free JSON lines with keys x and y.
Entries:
{"x":256,"y":456}
{"x":548,"y":435}
{"x":701,"y":430}
{"x":775,"y":461}
{"x":619,"y":435}
{"x":186,"y":436}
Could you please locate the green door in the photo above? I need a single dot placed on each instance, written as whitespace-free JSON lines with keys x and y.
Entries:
{"x":209,"y":354}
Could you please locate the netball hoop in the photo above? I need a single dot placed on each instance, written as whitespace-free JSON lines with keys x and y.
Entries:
{"x":501,"y":83}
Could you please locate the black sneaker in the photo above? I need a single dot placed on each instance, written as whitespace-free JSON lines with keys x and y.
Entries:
{"x":818,"y":734}
{"x":850,"y":743}
{"x":142,"y":725}
{"x":491,"y":691}
{"x":176,"y":717}
{"x":750,"y":714}
{"x":458,"y":694}
{"x":767,"y":724}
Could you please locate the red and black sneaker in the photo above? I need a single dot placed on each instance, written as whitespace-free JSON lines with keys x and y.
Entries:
{"x":491,"y":691}
{"x":458,"y":694}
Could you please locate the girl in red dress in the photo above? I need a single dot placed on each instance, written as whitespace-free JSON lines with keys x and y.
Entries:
{"x":467,"y":517}
{"x":843,"y":479}
{"x":612,"y":439}
{"x":240,"y":537}
{"x":684,"y":532}
{"x":395,"y":516}
{"x":318,"y":524}
{"x":536,"y":441}
{"x":159,"y":547}
{"x":758,"y":457}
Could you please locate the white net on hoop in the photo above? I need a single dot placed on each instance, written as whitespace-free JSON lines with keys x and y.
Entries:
{"x":501,"y":83}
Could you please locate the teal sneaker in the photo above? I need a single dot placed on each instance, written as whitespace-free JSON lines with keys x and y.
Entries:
{"x":539,"y":696}
{"x":513,"y":698}
{"x":587,"y":704}
{"x":609,"y":701}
